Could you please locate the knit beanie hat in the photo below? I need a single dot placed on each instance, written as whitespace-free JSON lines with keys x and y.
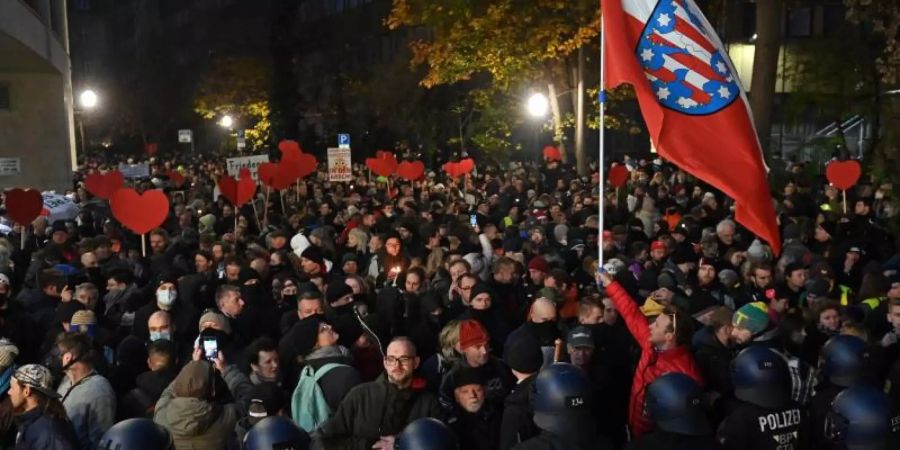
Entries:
{"x":539,"y":263}
{"x":472,"y":333}
{"x":523,"y":354}
{"x":313,"y":254}
{"x":216,"y":318}
{"x":336,"y":290}
{"x":8,"y":353}
{"x":480,"y":288}
{"x":752,"y":316}
{"x":465,"y":376}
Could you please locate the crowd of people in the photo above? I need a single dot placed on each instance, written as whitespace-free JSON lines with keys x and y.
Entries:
{"x":472,"y":313}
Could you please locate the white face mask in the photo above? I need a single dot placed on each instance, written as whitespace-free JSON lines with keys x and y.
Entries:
{"x":166,"y":299}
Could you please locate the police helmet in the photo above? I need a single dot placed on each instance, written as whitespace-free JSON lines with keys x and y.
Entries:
{"x":426,"y":434}
{"x":860,"y":418}
{"x":136,"y":434}
{"x":673,"y":403}
{"x":276,"y":433}
{"x":845,"y":360}
{"x":761,"y":377}
{"x":560,"y":396}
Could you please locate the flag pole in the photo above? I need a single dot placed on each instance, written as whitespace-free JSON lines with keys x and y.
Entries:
{"x":600,"y":163}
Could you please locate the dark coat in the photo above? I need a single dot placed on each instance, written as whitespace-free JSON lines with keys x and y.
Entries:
{"x":479,"y":431}
{"x":38,"y":431}
{"x":517,"y":424}
{"x":549,"y":441}
{"x":714,"y":361}
{"x":376,"y":409}
{"x":661,"y":440}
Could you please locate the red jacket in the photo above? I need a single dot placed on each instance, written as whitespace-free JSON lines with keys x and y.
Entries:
{"x":652,"y":364}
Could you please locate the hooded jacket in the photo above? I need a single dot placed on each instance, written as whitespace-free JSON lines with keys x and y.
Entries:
{"x":195,"y":422}
{"x":652,"y":363}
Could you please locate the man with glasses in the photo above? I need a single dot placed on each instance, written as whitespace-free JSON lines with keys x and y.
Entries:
{"x":664,"y":347}
{"x":373,"y":413}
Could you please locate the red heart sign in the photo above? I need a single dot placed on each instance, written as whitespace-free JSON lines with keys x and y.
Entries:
{"x":458,"y":169}
{"x":238,"y":192}
{"x":289,"y":149}
{"x":104,"y":185}
{"x":278,"y":176}
{"x":467,"y":165}
{"x":383,"y":164}
{"x":843,"y":174}
{"x":24,"y":205}
{"x":552,"y":153}
{"x":139,"y":213}
{"x":618,"y":175}
{"x":411,"y":171}
{"x":306,"y":165}
{"x":176,"y":178}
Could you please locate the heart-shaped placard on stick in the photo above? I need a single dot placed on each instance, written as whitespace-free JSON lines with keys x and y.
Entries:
{"x":238,"y":192}
{"x":618,"y":175}
{"x":306,"y":165}
{"x":24,"y":205}
{"x":104,"y":185}
{"x":552,"y":153}
{"x":411,"y":171}
{"x":843,"y":174}
{"x":466,"y":165}
{"x":383,"y":164}
{"x":139,"y":213}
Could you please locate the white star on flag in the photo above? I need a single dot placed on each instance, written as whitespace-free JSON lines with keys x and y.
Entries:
{"x":724,"y":92}
{"x":664,"y":20}
{"x":720,"y":66}
{"x":647,"y":54}
{"x":663,"y":93}
{"x":685,"y":102}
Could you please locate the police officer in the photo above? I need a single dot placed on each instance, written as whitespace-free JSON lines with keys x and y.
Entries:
{"x":862,"y":418}
{"x":562,"y":410}
{"x":426,"y":434}
{"x":136,"y":434}
{"x":844,"y":363}
{"x":673,"y":403}
{"x":276,"y":433}
{"x":765,"y":417}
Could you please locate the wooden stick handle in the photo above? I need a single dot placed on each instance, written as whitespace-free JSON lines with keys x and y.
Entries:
{"x":557,"y":350}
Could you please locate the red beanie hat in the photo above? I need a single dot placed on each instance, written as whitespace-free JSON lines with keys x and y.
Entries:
{"x":657,"y":244}
{"x":472,"y":333}
{"x":539,"y":263}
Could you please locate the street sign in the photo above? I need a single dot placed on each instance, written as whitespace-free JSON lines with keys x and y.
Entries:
{"x":241,"y":143}
{"x":240,"y":134}
{"x":185,"y":136}
{"x":344,"y":140}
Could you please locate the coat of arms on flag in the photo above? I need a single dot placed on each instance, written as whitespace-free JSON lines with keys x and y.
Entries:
{"x":684,"y":65}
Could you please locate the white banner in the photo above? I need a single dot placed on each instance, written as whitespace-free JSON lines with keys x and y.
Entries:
{"x":141,"y":170}
{"x":234,"y":165}
{"x":340,"y":166}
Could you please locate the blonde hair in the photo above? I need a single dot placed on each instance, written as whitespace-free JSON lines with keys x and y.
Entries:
{"x":449,"y":339}
{"x":362,"y":239}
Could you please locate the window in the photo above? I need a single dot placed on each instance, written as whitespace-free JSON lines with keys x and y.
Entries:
{"x":4,"y":97}
{"x":833,"y":19}
{"x":799,"y":22}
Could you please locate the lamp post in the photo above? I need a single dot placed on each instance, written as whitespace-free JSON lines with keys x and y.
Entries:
{"x":87,"y":100}
{"x":226,"y":121}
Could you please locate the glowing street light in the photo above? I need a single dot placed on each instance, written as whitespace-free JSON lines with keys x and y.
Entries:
{"x":88,"y":99}
{"x":537,"y":105}
{"x":226,"y":121}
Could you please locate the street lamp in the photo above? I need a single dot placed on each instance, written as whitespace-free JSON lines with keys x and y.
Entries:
{"x":88,"y":99}
{"x":226,"y":121}
{"x":537,"y":105}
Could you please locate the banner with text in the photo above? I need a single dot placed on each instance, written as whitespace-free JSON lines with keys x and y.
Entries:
{"x":234,"y":165}
{"x":339,"y":165}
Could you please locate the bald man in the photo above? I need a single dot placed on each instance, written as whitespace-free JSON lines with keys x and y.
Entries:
{"x":541,"y":327}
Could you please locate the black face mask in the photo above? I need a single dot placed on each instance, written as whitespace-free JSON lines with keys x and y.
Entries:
{"x":546,"y":332}
{"x":343,"y":310}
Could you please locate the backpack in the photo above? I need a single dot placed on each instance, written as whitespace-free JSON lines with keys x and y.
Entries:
{"x":308,"y":406}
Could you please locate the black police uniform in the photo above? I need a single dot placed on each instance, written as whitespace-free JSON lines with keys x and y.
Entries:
{"x":753,"y":427}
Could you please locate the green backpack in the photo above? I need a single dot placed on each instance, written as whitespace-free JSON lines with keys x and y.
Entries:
{"x":308,"y":406}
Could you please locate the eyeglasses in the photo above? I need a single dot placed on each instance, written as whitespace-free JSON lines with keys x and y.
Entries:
{"x":674,"y":324}
{"x":393,"y":361}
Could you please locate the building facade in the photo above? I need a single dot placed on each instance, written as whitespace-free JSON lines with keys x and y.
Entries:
{"x":37,"y":123}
